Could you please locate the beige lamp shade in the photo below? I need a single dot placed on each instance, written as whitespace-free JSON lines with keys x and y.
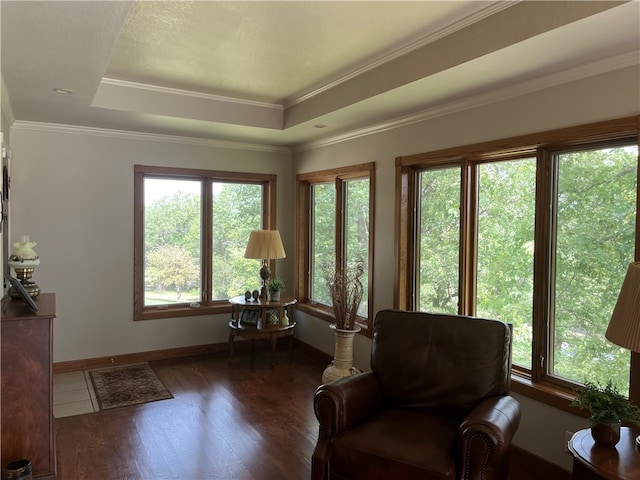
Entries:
{"x":265,"y":244}
{"x":624,"y":326}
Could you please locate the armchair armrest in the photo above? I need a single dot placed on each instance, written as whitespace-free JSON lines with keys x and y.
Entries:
{"x":485,"y":436}
{"x":344,"y":402}
{"x":338,"y":406}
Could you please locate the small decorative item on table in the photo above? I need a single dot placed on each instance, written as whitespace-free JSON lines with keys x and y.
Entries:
{"x":247,"y":295}
{"x":272,"y":319}
{"x":250,"y":317}
{"x":275,"y":286}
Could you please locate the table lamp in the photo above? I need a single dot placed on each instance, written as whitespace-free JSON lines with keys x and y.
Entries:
{"x":265,"y":245}
{"x":24,"y":260}
{"x":624,"y":326}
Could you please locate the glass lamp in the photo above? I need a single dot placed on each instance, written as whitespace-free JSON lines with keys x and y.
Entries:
{"x":624,"y":326}
{"x":265,"y":245}
{"x":23,"y":260}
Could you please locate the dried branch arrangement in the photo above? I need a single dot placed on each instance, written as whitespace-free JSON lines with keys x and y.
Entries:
{"x":346,"y":291}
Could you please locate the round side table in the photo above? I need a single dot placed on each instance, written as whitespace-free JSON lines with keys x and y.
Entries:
{"x":590,"y":461}
{"x":261,"y":319}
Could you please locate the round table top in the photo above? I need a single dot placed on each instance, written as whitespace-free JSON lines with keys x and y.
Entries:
{"x":284,"y":302}
{"x":621,"y":462}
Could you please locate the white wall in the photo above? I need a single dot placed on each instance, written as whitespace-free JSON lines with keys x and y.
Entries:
{"x":604,"y":97}
{"x":73,"y":194}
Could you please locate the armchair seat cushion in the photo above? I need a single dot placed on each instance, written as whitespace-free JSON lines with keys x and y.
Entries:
{"x":397,"y":443}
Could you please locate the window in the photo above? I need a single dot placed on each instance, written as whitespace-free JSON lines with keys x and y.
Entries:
{"x":191,"y":230}
{"x":335,"y":220}
{"x":595,"y":223}
{"x":438,"y":240}
{"x":505,"y":247}
{"x":537,"y":231}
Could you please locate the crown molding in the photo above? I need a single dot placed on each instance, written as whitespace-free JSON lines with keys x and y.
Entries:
{"x":171,"y":102}
{"x":584,"y":71}
{"x":148,"y":137}
{"x":189,"y":93}
{"x":619,"y":62}
{"x":432,"y":37}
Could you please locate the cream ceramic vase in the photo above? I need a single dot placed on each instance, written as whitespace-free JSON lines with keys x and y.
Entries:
{"x":342,"y":364}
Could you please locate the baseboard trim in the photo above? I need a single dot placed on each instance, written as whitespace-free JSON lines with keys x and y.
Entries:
{"x":525,"y":465}
{"x":209,"y":349}
{"x":129,"y":358}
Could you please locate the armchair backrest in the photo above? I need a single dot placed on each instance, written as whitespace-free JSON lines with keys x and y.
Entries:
{"x":438,"y":363}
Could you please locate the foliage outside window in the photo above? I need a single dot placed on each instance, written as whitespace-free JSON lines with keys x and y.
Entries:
{"x":191,"y":231}
{"x":595,"y":223}
{"x":335,"y":221}
{"x":537,"y":231}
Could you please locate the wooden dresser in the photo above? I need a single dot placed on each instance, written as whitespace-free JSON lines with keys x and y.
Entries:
{"x":26,"y":397}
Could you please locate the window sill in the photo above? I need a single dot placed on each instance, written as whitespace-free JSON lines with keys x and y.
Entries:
{"x":182,"y":311}
{"x":545,"y":392}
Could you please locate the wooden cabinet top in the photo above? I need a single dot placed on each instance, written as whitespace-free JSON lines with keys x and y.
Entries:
{"x":13,"y":309}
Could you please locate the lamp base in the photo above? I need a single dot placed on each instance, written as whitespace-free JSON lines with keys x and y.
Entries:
{"x":265,"y":274}
{"x":24,"y":275}
{"x":30,"y":287}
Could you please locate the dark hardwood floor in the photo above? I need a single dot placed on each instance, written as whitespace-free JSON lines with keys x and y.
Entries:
{"x":243,"y":420}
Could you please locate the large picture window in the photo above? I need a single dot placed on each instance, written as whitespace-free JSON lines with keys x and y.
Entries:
{"x":537,"y":231}
{"x":335,"y":220}
{"x":191,"y":230}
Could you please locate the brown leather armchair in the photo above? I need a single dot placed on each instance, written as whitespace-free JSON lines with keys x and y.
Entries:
{"x":434,"y":406}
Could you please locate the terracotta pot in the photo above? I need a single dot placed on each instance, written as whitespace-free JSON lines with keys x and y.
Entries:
{"x":342,"y":364}
{"x":606,"y":435}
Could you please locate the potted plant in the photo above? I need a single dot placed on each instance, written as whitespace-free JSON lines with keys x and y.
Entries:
{"x":608,"y":408}
{"x":275,"y":285}
{"x":345,"y":288}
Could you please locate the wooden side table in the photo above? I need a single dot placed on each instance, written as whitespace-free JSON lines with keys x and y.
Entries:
{"x":261,"y":320}
{"x":621,"y":462}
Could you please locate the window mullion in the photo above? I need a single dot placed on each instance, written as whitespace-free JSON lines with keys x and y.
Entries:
{"x":340,"y":224}
{"x":207,"y":240}
{"x":543,"y":264}
{"x":468,"y":238}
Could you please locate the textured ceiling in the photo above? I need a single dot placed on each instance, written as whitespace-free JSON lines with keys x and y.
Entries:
{"x":268,"y":51}
{"x":270,"y":73}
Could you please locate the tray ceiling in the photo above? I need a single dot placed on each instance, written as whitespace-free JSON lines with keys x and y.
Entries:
{"x":289,"y":73}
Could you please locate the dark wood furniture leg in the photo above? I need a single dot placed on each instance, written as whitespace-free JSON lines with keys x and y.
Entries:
{"x":231,"y":336}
